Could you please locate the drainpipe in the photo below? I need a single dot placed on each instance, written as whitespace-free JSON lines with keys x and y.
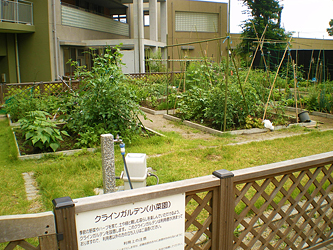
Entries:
{"x":18,"y":75}
{"x":56,"y":52}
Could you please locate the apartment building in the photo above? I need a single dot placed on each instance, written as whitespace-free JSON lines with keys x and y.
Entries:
{"x":37,"y":38}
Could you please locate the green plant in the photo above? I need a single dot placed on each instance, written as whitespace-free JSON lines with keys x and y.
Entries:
{"x":107,"y":101}
{"x":40,"y":132}
{"x":18,"y":105}
{"x":91,"y":136}
{"x":154,"y":63}
{"x":192,"y":104}
{"x":251,"y":122}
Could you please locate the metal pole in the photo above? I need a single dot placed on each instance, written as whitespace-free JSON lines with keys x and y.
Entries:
{"x":108,"y":165}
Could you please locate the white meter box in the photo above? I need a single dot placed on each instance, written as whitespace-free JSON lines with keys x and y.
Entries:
{"x":153,"y":224}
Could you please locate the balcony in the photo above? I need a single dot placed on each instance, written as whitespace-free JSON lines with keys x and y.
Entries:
{"x":79,"y":18}
{"x":16,"y":17}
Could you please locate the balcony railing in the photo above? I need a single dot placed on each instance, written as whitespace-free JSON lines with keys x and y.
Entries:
{"x":16,"y":12}
{"x":74,"y":17}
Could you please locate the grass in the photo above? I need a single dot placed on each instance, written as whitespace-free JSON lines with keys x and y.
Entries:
{"x":76,"y":176}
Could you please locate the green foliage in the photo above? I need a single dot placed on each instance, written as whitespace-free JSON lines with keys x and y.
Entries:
{"x":193,"y":103}
{"x":252,"y":122}
{"x":17,"y":106}
{"x":202,"y":74}
{"x":40,"y":132}
{"x":319,"y":98}
{"x":205,"y":102}
{"x":267,"y":12}
{"x":91,"y":136}
{"x":107,"y":102}
{"x":330,"y":30}
{"x":153,"y":94}
{"x":153,"y":63}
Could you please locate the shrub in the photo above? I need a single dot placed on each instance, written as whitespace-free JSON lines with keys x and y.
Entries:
{"x":18,"y":106}
{"x":107,"y":102}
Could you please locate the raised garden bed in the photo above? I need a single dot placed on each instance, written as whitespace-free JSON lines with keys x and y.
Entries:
{"x":26,"y":152}
{"x":236,"y":132}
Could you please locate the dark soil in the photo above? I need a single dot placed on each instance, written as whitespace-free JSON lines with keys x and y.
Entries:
{"x":68,"y":143}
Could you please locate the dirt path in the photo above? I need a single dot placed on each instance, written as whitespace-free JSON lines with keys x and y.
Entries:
{"x":157,"y":122}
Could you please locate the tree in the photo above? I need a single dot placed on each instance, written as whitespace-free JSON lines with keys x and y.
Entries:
{"x":262,"y":13}
{"x":330,"y":30}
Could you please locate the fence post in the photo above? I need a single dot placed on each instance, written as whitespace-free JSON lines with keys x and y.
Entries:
{"x":1,"y":93}
{"x":226,"y":210}
{"x":64,"y":212}
{"x":48,"y":242}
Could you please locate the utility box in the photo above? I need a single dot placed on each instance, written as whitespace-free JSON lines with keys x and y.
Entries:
{"x":137,"y":169}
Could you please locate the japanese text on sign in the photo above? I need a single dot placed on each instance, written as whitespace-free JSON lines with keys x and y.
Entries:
{"x":157,"y":223}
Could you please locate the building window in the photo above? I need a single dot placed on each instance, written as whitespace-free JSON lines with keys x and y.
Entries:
{"x":120,"y":18}
{"x":146,"y":20}
{"x":195,"y":21}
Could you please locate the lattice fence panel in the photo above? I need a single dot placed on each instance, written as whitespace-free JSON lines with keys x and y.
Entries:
{"x":156,"y":77}
{"x":24,"y":90}
{"x":27,"y":90}
{"x":198,"y":221}
{"x":292,"y":211}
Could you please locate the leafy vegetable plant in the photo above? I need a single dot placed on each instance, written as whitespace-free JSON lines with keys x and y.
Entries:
{"x":40,"y":132}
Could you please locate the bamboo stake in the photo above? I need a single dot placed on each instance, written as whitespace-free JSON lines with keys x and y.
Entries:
{"x":307,"y":82}
{"x":227,"y":73}
{"x":276,"y":75}
{"x":285,"y":89}
{"x":204,"y":56}
{"x":318,"y":66}
{"x":239,"y":82}
{"x":255,"y":53}
{"x":295,"y":91}
{"x":202,"y":41}
{"x":262,"y":52}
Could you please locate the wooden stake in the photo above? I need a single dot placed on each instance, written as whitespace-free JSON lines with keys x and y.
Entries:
{"x":255,"y":53}
{"x":276,"y":75}
{"x":295,"y":86}
{"x":239,"y":82}
{"x":262,"y":52}
{"x":309,"y":69}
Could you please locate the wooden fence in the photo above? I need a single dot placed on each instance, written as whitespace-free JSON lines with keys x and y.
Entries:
{"x":285,"y":205}
{"x":8,"y":90}
{"x":154,"y":77}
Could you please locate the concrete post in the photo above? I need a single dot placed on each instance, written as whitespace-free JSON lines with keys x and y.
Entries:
{"x":153,"y":29}
{"x":164,"y":21}
{"x":108,"y":166}
{"x":164,"y":30}
{"x":139,"y":32}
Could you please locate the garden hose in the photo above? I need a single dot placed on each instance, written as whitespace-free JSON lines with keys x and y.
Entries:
{"x":154,"y":175}
{"x":122,"y":151}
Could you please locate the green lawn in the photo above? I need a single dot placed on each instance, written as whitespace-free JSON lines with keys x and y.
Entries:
{"x":76,"y":176}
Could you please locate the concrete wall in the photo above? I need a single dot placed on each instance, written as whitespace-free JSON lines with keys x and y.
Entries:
{"x":298,"y":43}
{"x":212,"y":49}
{"x":35,"y":57}
{"x":7,"y":57}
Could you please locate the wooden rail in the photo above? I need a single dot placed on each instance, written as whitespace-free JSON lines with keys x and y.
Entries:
{"x":16,"y":228}
{"x":285,"y":205}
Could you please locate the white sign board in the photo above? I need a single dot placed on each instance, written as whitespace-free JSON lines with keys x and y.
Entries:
{"x":153,"y":224}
